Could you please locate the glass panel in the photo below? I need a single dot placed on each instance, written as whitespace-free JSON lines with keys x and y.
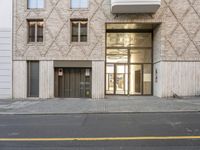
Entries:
{"x":121,"y":79}
{"x":147,"y":79}
{"x":140,"y":56}
{"x":40,"y":4}
{"x":35,"y":4}
{"x":75,"y":31}
{"x":83,"y":35}
{"x":117,"y":55}
{"x":115,"y":39}
{"x":75,"y":3}
{"x":40,"y":31}
{"x":84,"y":4}
{"x":135,"y":80}
{"x":32,"y":4}
{"x":141,"y":40}
{"x":110,"y":79}
{"x":129,"y":40}
{"x":79,"y":4}
{"x":31,"y":31}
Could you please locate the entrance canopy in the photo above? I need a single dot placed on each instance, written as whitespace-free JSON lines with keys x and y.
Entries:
{"x":135,"y":6}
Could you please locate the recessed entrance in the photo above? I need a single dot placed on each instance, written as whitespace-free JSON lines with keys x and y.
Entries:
{"x":128,"y":59}
{"x":73,"y":82}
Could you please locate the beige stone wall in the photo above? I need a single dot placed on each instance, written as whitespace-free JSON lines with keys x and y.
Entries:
{"x":20,"y":79}
{"x":98,"y":83}
{"x":46,"y":82}
{"x":180,"y":78}
{"x":180,"y":30}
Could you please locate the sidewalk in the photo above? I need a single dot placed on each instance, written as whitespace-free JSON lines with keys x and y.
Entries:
{"x":108,"y":105}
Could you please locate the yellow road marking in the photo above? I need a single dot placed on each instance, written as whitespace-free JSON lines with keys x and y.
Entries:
{"x":101,"y":138}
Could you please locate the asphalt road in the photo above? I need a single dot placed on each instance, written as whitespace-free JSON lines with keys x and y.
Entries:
{"x":140,"y":131}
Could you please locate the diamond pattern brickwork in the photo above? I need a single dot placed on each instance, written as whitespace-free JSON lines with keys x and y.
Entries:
{"x":182,"y":38}
{"x":180,"y":30}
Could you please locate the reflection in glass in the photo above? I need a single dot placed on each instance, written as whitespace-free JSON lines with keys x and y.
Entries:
{"x":115,"y":39}
{"x":117,"y":55}
{"x":140,"y":56}
{"x":129,"y":40}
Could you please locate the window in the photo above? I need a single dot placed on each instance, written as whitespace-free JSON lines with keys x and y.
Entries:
{"x":35,"y":31}
{"x":77,"y":4}
{"x":79,"y":31}
{"x":33,"y":78}
{"x":35,"y":4}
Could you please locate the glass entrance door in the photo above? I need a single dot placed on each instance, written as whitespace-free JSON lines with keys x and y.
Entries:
{"x":117,"y":79}
{"x":132,"y":79}
{"x":128,"y":60}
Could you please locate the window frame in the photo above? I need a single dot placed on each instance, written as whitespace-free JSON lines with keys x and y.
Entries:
{"x":36,"y":30}
{"x":79,"y":30}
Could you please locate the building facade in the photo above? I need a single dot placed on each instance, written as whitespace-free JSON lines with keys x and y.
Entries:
{"x":93,"y":48}
{"x":6,"y":49}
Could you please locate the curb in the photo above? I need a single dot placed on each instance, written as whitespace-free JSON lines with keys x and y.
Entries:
{"x":88,"y":113}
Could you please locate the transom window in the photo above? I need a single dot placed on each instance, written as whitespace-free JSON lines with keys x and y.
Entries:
{"x":79,"y":31}
{"x":77,"y":4}
{"x":35,"y":30}
{"x":35,"y":4}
